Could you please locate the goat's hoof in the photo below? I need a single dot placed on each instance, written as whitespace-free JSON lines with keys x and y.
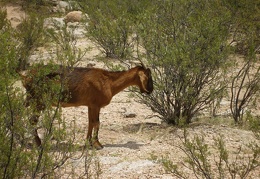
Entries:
{"x":97,"y":145}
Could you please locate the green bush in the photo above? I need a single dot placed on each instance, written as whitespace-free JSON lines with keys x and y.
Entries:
{"x":203,"y":163}
{"x":67,"y":53}
{"x":29,"y":35}
{"x":110,"y":26}
{"x":253,"y":123}
{"x":245,"y":30}
{"x":185,"y":42}
{"x":12,"y":124}
{"x":19,"y":156}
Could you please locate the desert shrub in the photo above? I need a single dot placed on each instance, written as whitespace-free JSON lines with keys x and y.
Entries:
{"x":245,"y":30}
{"x":19,"y":156}
{"x":244,"y":25}
{"x":204,"y":163}
{"x":244,"y":89}
{"x":15,"y":125}
{"x":29,"y":35}
{"x":185,"y":43}
{"x":253,"y":123}
{"x":110,"y":26}
{"x":36,"y":6}
{"x":65,"y":46}
{"x":7,"y":113}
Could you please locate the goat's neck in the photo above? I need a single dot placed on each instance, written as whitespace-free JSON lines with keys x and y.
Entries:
{"x":124,"y":80}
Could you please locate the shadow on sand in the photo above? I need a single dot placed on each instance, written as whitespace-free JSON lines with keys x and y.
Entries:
{"x":131,"y":145}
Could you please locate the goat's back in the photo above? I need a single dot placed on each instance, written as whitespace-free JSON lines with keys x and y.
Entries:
{"x":82,"y":86}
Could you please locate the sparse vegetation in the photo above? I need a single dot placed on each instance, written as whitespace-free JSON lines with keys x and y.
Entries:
{"x":67,"y":53}
{"x":20,"y":157}
{"x":198,"y":159}
{"x":245,"y":32}
{"x":29,"y":36}
{"x":186,"y":43}
{"x":110,"y":27}
{"x":191,"y":47}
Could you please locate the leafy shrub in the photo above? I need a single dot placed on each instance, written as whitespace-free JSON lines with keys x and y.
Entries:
{"x":244,"y":89}
{"x":65,"y":42}
{"x":253,"y":123}
{"x":30,"y":36}
{"x":185,"y":43}
{"x":110,"y":26}
{"x":205,"y":164}
{"x":18,"y":157}
{"x":246,"y":42}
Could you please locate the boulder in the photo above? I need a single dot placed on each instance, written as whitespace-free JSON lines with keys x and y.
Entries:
{"x":73,"y":16}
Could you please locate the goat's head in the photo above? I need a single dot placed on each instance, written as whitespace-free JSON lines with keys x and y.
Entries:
{"x":146,"y":80}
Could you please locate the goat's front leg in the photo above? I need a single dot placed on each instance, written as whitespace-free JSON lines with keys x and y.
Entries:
{"x":93,"y":115}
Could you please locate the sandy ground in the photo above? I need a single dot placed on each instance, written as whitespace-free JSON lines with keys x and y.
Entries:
{"x":131,"y":144}
{"x":15,"y":14}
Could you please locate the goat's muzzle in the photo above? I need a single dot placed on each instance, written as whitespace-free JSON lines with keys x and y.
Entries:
{"x":149,"y":86}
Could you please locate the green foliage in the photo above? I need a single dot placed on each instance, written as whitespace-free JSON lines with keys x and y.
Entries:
{"x":11,"y":148}
{"x":244,"y":89}
{"x":7,"y":46}
{"x":19,"y":158}
{"x":15,"y":126}
{"x":197,"y":152}
{"x":253,"y":123}
{"x":245,"y":30}
{"x":218,"y":164}
{"x":12,"y":156}
{"x":30,"y":36}
{"x":169,"y":166}
{"x":35,"y":2}
{"x":241,"y":165}
{"x":65,"y":40}
{"x":185,"y":42}
{"x":110,"y":26}
{"x":245,"y":25}
{"x":37,"y":6}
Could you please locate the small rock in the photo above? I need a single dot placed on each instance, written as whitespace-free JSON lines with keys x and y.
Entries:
{"x":53,"y":22}
{"x":91,"y":65}
{"x":129,"y":115}
{"x":63,"y":6}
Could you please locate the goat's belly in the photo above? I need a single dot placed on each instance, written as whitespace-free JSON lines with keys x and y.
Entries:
{"x":100,"y":102}
{"x":96,"y":103}
{"x":73,"y":102}
{"x":87,"y":98}
{"x":65,"y":104}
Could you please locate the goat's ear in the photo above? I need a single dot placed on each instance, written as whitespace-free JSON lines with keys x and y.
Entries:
{"x":142,"y":76}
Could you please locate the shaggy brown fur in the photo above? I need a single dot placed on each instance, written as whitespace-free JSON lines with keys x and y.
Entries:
{"x":90,"y":87}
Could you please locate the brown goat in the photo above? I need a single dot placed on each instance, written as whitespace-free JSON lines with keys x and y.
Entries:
{"x":90,"y":87}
